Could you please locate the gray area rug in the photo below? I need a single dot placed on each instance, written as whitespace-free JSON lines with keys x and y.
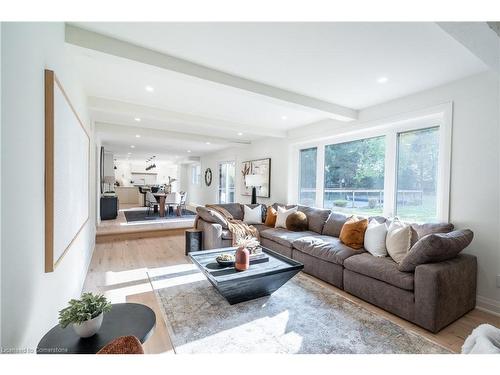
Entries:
{"x":301,"y":317}
{"x":142,"y":215}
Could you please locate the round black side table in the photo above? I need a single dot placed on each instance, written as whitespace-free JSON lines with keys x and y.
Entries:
{"x":124,"y":319}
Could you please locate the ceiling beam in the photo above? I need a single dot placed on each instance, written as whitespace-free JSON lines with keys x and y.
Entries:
{"x":116,"y":47}
{"x":479,"y":38}
{"x":108,"y":128}
{"x":156,"y":118}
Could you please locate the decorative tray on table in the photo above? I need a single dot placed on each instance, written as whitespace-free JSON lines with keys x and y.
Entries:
{"x":227,"y":259}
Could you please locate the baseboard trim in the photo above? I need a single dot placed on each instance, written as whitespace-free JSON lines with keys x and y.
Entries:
{"x":488,"y":305}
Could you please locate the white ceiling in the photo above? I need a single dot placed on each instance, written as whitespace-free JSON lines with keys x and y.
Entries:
{"x":335,"y":62}
{"x":116,"y":78}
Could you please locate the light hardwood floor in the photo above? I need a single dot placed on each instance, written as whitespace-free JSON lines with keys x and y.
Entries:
{"x":119,"y":270}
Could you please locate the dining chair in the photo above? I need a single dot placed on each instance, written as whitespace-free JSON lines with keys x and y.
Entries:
{"x":151,"y":201}
{"x":172,"y":200}
{"x":183,"y":201}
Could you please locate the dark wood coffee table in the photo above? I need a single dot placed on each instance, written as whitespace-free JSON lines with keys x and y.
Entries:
{"x":259,"y":280}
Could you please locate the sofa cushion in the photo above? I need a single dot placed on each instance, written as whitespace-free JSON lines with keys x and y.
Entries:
{"x":383,"y":269}
{"x":334,"y":224}
{"x":234,"y":209}
{"x":211,"y":216}
{"x":284,"y":237}
{"x":436,"y":248}
{"x":327,"y":248}
{"x":316,"y":217}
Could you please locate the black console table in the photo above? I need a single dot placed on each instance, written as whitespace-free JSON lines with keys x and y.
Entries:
{"x":109,"y":208}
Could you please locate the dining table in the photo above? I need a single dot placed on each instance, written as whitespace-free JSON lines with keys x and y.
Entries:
{"x":168,"y":199}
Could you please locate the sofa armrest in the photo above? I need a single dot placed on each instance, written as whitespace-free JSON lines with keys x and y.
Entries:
{"x":445,"y":291}
{"x":212,"y":234}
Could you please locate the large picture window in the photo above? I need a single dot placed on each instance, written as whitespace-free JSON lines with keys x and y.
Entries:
{"x":354,"y":176}
{"x":418,"y":155}
{"x":396,"y":167}
{"x":307,"y":181}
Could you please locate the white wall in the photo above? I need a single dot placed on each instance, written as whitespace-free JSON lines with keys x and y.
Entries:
{"x":274,"y":148}
{"x":474,"y":195}
{"x":32,"y":298}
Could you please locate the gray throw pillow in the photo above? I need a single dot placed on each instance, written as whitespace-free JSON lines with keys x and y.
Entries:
{"x":211,"y":216}
{"x":316,"y":217}
{"x":419,"y":231}
{"x":436,"y":247}
{"x":334,"y":224}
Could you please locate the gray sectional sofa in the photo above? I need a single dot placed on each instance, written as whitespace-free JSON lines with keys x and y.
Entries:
{"x":433,"y":296}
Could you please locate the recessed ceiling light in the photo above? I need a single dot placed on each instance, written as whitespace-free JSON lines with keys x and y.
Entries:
{"x":132,"y":146}
{"x":188,"y":151}
{"x":138,"y":136}
{"x":129,"y":153}
{"x":240,"y":133}
{"x":284,"y":117}
{"x":207,"y":143}
{"x":138,"y":119}
{"x":150,"y":88}
{"x":382,"y":79}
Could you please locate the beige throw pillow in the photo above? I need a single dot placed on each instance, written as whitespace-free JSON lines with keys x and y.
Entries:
{"x":398,"y":240}
{"x":282,"y":215}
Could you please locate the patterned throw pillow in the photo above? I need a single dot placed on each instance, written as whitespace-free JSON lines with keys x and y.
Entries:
{"x":353,"y":232}
{"x":398,"y":240}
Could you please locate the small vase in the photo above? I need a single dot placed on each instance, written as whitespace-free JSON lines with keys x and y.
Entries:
{"x":242,"y":259}
{"x":89,"y":327}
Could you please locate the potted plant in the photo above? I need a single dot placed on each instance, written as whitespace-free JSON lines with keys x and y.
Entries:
{"x":85,"y":314}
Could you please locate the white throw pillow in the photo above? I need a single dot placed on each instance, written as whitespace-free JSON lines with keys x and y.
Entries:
{"x":253,"y":215}
{"x":398,"y":240}
{"x":282,"y":215}
{"x":375,"y":238}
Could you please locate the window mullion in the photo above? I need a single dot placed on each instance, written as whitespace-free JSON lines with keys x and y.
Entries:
{"x":390,"y":179}
{"x":320,"y":175}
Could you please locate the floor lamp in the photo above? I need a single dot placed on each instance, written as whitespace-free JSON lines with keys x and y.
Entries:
{"x":254,"y":181}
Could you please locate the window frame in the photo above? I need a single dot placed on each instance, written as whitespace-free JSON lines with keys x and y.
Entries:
{"x":440,"y":115}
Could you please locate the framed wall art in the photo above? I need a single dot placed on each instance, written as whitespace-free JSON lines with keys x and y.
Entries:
{"x":260,"y":167}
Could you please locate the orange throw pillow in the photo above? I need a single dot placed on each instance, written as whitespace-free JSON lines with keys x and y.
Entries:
{"x":353,"y":232}
{"x":271,"y":216}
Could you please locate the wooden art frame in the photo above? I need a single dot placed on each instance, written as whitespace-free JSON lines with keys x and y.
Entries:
{"x":51,"y":82}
